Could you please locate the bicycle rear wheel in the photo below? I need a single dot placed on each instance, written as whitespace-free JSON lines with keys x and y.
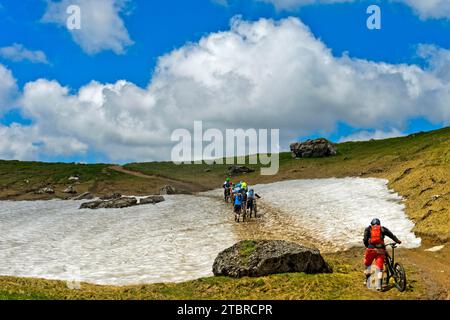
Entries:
{"x":399,"y":277}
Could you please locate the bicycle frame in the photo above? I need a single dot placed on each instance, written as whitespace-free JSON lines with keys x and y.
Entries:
{"x":389,"y":261}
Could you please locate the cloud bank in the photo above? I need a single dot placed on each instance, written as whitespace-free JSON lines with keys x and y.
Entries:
{"x":263,"y":74}
{"x":102,"y":27}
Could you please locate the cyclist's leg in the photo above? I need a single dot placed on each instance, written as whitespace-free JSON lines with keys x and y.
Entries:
{"x":379,"y":262}
{"x":369,"y":256}
{"x":250,"y":205}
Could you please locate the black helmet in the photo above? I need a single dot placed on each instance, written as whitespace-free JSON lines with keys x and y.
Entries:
{"x":375,"y":221}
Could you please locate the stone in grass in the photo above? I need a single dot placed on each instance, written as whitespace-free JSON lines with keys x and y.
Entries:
{"x":167,"y":190}
{"x":264,"y":257}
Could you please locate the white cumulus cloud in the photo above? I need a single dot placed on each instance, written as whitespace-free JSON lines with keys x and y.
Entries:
{"x":102,"y":27}
{"x":263,"y":74}
{"x":17,"y":52}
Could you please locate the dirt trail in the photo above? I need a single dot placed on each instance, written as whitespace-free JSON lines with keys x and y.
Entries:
{"x":433,"y":269}
{"x":274,"y":224}
{"x":185,"y":186}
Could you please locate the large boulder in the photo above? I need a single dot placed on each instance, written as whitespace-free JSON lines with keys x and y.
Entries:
{"x":263,"y":257}
{"x":313,"y":149}
{"x":235,"y":170}
{"x":167,"y":190}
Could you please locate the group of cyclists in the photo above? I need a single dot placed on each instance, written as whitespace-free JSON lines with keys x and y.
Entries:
{"x":242,"y":197}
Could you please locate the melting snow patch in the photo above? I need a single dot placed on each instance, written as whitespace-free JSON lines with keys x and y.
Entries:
{"x":172,"y":241}
{"x":338,"y":210}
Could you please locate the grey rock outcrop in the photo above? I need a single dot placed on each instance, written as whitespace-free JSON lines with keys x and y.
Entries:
{"x":313,"y":149}
{"x":151,"y":200}
{"x":264,"y":257}
{"x":91,"y":205}
{"x":122,"y":202}
{"x":234,"y":170}
{"x":110,"y":204}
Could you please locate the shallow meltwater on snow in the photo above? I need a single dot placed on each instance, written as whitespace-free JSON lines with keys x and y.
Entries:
{"x":175,"y":240}
{"x":178,"y":239}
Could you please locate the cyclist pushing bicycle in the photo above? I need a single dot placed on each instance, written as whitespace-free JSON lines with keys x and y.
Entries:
{"x":376,"y":249}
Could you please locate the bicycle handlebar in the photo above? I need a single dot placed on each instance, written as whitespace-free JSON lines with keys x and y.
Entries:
{"x":392,"y":245}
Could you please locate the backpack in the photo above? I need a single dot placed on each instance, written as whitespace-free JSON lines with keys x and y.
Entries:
{"x":375,"y":235}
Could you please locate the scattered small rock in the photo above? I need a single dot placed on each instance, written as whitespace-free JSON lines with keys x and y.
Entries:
{"x":234,"y":170}
{"x":70,"y":189}
{"x":74,"y":178}
{"x":46,"y":190}
{"x":167,"y":190}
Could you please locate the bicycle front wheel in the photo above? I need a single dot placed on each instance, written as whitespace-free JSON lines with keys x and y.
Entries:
{"x":399,"y":277}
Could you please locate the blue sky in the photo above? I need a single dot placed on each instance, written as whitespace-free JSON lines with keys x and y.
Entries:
{"x":156,"y":28}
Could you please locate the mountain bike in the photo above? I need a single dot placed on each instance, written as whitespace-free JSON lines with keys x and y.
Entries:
{"x":394,"y":269}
